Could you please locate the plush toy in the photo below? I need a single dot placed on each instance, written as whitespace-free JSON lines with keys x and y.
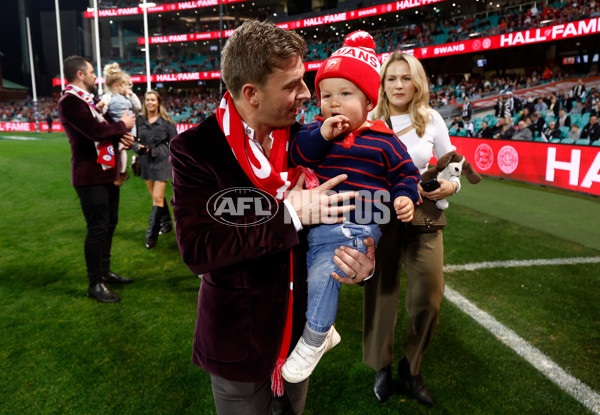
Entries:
{"x":451,"y":164}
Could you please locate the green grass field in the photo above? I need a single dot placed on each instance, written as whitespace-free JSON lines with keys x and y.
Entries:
{"x":61,"y":352}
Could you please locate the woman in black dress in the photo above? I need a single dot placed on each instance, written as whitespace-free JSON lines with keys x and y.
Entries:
{"x":155,"y":129}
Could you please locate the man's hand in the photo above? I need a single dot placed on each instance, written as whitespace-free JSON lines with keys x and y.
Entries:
{"x":353,"y":262}
{"x":334,"y":126}
{"x":129,"y":119}
{"x":127,"y":140}
{"x":404,"y":208}
{"x":317,"y":205}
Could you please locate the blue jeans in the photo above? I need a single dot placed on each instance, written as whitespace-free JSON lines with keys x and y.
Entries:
{"x":323,"y":290}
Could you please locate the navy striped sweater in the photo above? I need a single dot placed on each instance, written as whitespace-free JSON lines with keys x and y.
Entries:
{"x":375,"y":160}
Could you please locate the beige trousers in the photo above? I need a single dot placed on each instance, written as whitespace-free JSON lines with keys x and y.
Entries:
{"x":422,"y":256}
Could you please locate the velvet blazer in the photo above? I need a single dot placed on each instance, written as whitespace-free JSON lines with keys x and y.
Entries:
{"x":84,"y":132}
{"x":243,"y":296}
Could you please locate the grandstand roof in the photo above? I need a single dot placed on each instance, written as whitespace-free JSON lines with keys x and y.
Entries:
{"x":6,"y":84}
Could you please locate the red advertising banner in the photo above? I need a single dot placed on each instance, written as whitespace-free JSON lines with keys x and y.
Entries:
{"x":172,"y":7}
{"x":299,"y":24}
{"x":563,"y":166}
{"x":56,"y":126}
{"x":169,"y":77}
{"x":525,"y":37}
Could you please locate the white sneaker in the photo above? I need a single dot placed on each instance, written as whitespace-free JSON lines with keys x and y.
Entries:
{"x":303,"y":360}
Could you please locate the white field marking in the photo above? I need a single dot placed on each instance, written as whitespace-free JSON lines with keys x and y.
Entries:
{"x":522,"y":263}
{"x":17,"y":137}
{"x":573,"y":386}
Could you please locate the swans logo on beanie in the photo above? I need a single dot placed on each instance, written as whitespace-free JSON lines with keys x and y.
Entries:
{"x":355,"y":61}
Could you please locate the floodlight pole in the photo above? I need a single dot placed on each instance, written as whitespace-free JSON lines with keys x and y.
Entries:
{"x":60,"y":51}
{"x":147,"y":46}
{"x":96,"y":28}
{"x":33,"y":85}
{"x":220,"y":43}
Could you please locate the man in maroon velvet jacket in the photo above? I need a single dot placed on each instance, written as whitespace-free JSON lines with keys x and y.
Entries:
{"x":99,"y":197}
{"x":242,"y":330}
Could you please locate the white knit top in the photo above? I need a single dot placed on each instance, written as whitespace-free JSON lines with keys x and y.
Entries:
{"x":435,"y":140}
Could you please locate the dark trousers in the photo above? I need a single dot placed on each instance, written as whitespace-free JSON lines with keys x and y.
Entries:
{"x":100,"y":206}
{"x":242,"y":398}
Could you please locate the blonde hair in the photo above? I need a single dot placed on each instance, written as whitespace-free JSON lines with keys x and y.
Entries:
{"x":162,"y":111}
{"x":418,"y":108}
{"x":113,"y":74}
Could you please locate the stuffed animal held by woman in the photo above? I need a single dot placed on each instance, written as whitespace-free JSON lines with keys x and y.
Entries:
{"x":451,"y":164}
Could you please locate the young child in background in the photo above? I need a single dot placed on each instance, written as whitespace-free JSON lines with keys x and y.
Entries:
{"x":377,"y":165}
{"x":115,"y":103}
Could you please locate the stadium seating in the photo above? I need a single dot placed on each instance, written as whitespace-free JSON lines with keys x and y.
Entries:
{"x":583,"y":142}
{"x":564,"y":131}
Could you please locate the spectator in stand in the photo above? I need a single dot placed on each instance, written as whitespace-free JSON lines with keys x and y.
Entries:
{"x":550,"y":132}
{"x":575,"y":133}
{"x":467,"y":108}
{"x":540,"y":105}
{"x":504,"y":105}
{"x":523,"y":133}
{"x":547,"y":74}
{"x":457,"y":123}
{"x":592,"y":100}
{"x":578,"y":91}
{"x":530,"y":104}
{"x":507,"y":130}
{"x":497,"y":129}
{"x":592,"y":130}
{"x":469,"y":126}
{"x":537,"y":123}
{"x":596,"y":109}
{"x":525,"y":114}
{"x":563,"y":120}
{"x":578,"y":109}
{"x":485,"y":131}
{"x":553,"y":105}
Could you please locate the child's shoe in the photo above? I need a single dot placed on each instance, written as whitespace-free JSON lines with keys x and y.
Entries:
{"x":121,"y":179}
{"x":303,"y":360}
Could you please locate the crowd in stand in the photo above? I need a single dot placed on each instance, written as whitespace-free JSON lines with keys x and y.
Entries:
{"x":24,"y":110}
{"x":564,"y":116}
{"x":433,"y":29}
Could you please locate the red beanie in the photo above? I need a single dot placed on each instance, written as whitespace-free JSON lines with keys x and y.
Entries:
{"x":355,"y":61}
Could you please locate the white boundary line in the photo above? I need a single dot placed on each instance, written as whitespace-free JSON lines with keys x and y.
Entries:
{"x":522,"y":263}
{"x":18,"y":137}
{"x":573,"y":386}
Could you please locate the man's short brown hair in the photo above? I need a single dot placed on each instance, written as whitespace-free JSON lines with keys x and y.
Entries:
{"x":254,"y":50}
{"x":72,"y":65}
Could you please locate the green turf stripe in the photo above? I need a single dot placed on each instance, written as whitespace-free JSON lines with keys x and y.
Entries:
{"x":561,"y":214}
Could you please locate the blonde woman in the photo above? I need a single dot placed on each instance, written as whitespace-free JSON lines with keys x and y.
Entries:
{"x":155,"y":129}
{"x":404,"y":106}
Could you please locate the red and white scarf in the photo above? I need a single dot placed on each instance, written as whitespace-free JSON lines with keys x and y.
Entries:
{"x":269,"y":174}
{"x":274,"y":177}
{"x":105,"y":149}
